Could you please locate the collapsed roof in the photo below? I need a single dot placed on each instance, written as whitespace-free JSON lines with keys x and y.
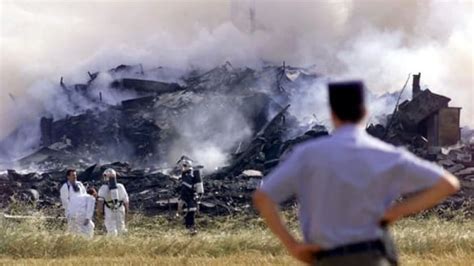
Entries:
{"x":150,"y":117}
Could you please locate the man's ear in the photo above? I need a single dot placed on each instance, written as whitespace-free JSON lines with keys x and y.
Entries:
{"x":335,"y":120}
{"x":365,"y":113}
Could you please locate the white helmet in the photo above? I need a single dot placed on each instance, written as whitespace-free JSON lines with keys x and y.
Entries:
{"x":109,"y":173}
{"x":186,"y":164}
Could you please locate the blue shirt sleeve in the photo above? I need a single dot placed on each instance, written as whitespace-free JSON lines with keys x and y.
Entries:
{"x":282,"y":182}
{"x":417,"y":174}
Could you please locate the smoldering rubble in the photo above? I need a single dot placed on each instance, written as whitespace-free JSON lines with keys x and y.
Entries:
{"x":246,"y":114}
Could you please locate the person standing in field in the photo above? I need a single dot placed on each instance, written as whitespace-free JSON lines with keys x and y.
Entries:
{"x":71,"y":188}
{"x":191,"y":191}
{"x":113,"y":202}
{"x":346,"y":185}
{"x":81,"y":212}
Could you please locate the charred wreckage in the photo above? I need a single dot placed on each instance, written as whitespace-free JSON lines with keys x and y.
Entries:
{"x":140,"y":130}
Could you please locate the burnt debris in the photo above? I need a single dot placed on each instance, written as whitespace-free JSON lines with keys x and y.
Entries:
{"x":424,"y":121}
{"x":137,"y":133}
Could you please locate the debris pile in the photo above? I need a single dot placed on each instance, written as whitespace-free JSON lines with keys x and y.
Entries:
{"x":150,"y":191}
{"x":154,"y":191}
{"x":458,"y":160}
{"x":142,"y":128}
{"x":139,"y":131}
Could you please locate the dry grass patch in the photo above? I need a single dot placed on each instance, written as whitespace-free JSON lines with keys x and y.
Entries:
{"x":223,"y":241}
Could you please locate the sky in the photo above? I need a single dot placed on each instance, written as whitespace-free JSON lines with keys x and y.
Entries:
{"x":380,"y":42}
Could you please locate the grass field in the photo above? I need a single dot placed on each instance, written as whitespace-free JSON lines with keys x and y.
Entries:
{"x":221,"y":241}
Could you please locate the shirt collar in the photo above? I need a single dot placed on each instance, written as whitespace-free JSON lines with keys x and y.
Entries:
{"x":71,"y":184}
{"x":348,"y":130}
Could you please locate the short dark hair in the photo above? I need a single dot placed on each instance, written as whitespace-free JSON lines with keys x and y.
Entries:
{"x":347,"y":100}
{"x":92,"y":191}
{"x":69,"y":171}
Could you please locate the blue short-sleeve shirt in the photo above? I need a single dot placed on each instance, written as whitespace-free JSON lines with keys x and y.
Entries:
{"x":344,"y":183}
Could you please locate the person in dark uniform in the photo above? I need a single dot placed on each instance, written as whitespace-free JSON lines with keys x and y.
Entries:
{"x":191,"y":190}
{"x":346,"y":185}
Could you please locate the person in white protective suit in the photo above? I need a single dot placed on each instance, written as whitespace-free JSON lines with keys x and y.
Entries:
{"x":68,"y":190}
{"x":113,"y":201}
{"x":81,"y":211}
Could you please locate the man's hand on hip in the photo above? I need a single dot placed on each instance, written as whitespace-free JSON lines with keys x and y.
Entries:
{"x":303,"y":252}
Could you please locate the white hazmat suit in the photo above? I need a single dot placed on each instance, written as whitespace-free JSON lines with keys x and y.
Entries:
{"x":80,"y":213}
{"x":114,"y":208}
{"x":67,"y":193}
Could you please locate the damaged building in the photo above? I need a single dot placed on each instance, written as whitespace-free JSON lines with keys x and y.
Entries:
{"x":430,"y":115}
{"x":425,"y":121}
{"x":136,"y":134}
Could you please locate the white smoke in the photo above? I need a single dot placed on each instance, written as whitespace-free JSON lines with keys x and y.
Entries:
{"x":378,"y":41}
{"x":310,"y":106}
{"x":208,"y":132}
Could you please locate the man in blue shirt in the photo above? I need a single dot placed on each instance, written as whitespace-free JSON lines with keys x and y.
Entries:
{"x":346,"y":185}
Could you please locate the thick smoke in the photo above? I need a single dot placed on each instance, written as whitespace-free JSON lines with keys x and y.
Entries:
{"x":209,"y":131}
{"x":378,"y":41}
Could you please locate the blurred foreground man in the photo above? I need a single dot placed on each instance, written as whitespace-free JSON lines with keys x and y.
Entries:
{"x":346,"y":185}
{"x":81,"y":211}
{"x":113,"y":201}
{"x":70,"y":189}
{"x":191,"y":190}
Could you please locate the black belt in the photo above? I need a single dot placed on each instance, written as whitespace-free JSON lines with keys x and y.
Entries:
{"x":110,"y":205}
{"x":366,"y":246}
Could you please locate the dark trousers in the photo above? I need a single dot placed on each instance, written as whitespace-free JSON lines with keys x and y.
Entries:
{"x":190,"y":208}
{"x":369,"y":258}
{"x":189,"y":219}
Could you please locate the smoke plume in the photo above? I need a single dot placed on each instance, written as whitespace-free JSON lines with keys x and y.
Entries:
{"x":377,"y":41}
